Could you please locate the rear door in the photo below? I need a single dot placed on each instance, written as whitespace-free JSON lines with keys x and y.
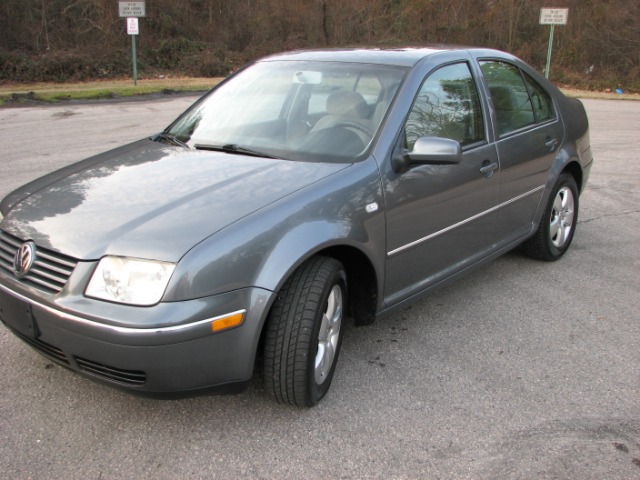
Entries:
{"x":528,"y":133}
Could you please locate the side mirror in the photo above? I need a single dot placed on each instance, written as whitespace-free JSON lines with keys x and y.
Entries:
{"x":429,"y":151}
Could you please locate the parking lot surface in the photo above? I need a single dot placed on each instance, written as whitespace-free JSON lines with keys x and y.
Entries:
{"x":520,"y":370}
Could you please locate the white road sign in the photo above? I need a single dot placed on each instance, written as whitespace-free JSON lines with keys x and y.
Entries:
{"x":554,"y":16}
{"x":132,"y":9}
{"x":132,"y":26}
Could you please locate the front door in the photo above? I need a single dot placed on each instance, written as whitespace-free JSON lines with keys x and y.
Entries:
{"x":441,"y":218}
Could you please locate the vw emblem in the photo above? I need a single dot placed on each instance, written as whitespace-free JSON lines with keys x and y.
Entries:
{"x":24,"y":258}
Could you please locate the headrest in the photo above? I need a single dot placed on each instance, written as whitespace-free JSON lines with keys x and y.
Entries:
{"x":347,"y":104}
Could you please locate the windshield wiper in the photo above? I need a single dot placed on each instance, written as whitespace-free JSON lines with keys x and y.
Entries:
{"x":171,"y":138}
{"x":233,"y":148}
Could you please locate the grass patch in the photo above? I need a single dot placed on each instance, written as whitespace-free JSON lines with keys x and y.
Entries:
{"x":571,"y":92}
{"x":16,"y":93}
{"x":53,"y":92}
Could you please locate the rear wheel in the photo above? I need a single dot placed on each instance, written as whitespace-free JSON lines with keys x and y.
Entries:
{"x":303,"y":334}
{"x":558,"y":223}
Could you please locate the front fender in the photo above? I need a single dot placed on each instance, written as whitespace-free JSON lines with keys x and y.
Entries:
{"x":262,"y":249}
{"x":302,"y":242}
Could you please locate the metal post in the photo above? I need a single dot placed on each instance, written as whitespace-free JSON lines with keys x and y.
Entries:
{"x":135,"y":64}
{"x":546,"y":70}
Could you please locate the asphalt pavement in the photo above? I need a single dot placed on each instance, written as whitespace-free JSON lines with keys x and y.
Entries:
{"x":521,"y":370}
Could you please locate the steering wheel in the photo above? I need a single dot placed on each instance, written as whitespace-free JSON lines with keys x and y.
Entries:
{"x":356,"y":126}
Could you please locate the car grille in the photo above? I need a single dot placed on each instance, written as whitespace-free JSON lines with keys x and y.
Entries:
{"x":49,"y":351}
{"x":128,"y":377}
{"x":50,"y":271}
{"x":105,"y":372}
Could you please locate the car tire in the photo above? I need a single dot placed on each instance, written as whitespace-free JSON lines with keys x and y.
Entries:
{"x":303,"y":333}
{"x":558,"y":224}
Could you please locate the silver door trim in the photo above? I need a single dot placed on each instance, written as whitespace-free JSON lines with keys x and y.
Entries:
{"x":463,"y":222}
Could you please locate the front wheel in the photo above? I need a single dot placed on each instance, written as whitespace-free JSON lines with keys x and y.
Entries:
{"x":303,"y":334}
{"x":558,"y":223}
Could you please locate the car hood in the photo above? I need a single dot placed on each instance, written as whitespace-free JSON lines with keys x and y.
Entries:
{"x":150,"y":200}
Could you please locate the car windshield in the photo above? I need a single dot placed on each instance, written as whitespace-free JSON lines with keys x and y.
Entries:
{"x":312,"y":111}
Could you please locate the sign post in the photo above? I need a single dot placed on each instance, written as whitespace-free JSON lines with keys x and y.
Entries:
{"x":553,"y":17}
{"x":131,"y":11}
{"x":132,"y":29}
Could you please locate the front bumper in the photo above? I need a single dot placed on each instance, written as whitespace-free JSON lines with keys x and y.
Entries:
{"x":175,"y":350}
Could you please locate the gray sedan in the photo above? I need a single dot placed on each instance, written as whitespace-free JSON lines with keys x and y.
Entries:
{"x":306,"y":189}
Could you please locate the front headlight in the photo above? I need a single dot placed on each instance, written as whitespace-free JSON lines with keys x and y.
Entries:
{"x":130,"y":280}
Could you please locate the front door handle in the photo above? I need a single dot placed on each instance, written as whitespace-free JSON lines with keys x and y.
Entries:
{"x":487,"y":168}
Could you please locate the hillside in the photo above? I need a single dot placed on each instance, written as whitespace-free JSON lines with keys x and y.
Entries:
{"x":62,"y":40}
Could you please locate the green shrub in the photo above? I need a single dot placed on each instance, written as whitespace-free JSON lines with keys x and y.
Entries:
{"x":15,"y":66}
{"x":62,"y":66}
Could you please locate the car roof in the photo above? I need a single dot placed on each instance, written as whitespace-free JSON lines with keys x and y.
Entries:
{"x":400,"y":56}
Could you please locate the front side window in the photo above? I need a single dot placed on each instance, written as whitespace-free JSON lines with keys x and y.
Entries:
{"x":518,"y":100}
{"x":447,"y":106}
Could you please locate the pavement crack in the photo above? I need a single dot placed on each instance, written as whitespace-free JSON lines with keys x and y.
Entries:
{"x":621,"y":214}
{"x":594,"y":189}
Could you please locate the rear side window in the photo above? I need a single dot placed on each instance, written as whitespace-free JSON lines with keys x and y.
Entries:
{"x":518,"y":100}
{"x":542,"y":104}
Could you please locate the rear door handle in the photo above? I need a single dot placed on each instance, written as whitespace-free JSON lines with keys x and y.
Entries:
{"x":551,"y":143}
{"x":487,"y":168}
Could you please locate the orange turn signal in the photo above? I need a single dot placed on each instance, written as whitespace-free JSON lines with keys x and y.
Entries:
{"x":227,"y":321}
